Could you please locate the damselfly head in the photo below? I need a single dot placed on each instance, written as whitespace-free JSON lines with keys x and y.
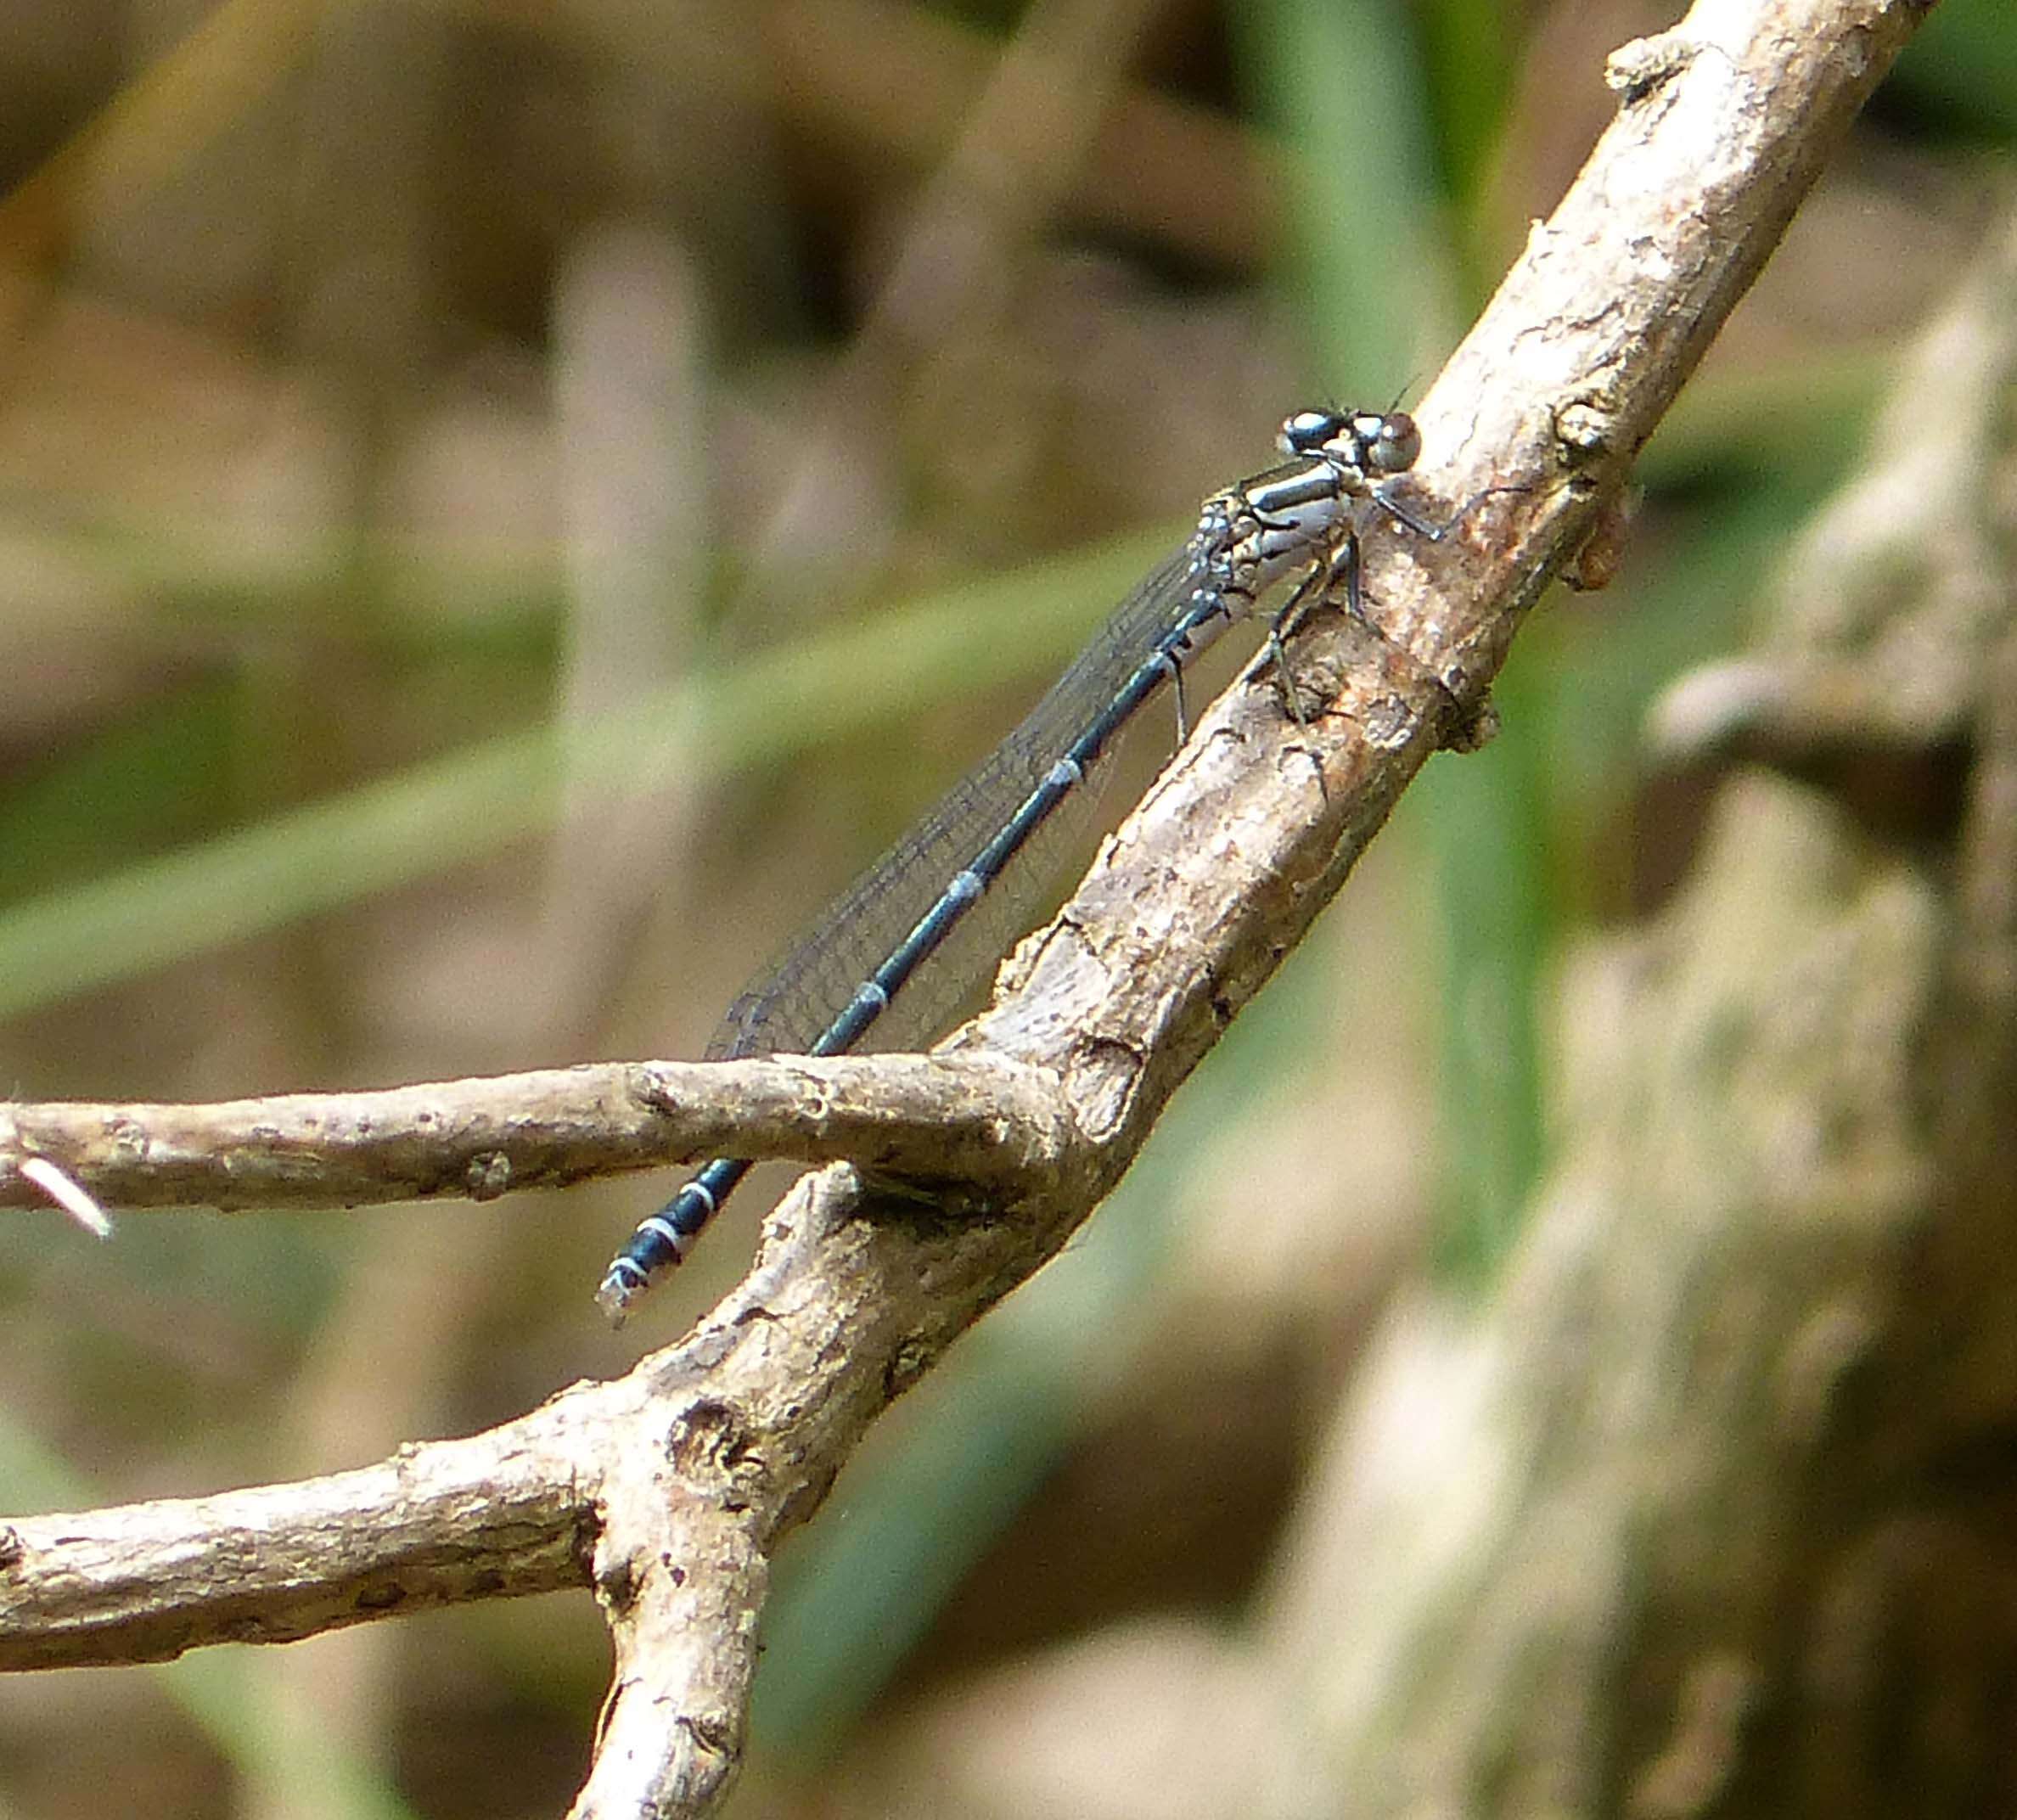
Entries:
{"x":1371,"y":442}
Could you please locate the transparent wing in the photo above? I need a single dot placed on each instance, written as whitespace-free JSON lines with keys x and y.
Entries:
{"x":789,"y":1006}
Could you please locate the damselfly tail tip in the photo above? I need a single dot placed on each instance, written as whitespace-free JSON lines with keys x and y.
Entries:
{"x":616,"y":1295}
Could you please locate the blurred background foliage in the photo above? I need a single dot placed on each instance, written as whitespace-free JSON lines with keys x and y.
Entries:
{"x":504,"y":506}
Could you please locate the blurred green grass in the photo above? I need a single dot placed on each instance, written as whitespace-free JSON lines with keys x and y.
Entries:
{"x":481,"y":799}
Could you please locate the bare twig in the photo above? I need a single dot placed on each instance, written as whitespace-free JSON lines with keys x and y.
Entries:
{"x":688,"y":1471}
{"x":977,"y":1118}
{"x":505,"y":1512}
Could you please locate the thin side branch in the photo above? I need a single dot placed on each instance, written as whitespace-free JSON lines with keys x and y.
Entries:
{"x":981,"y":1119}
{"x":506,"y":1511}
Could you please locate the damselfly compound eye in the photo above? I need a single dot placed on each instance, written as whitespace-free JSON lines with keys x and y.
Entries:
{"x":1394,"y":443}
{"x":1307,"y":431}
